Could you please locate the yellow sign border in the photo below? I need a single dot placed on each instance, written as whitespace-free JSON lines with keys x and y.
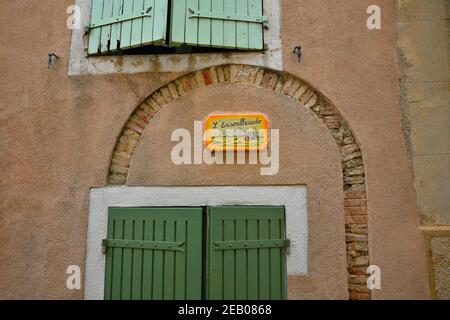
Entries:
{"x":208,"y":124}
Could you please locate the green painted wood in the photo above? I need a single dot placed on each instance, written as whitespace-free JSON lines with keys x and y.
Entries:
{"x":264,"y":262}
{"x":229,"y":27}
{"x":255,"y":30}
{"x":94,"y":45}
{"x":136,"y":281}
{"x":106,"y":30}
{"x":169,"y":261}
{"x":127,"y":261}
{"x":125,"y":35}
{"x":136,"y":24}
{"x":217,"y":25}
{"x":242,"y":27}
{"x":160,"y":21}
{"x":147,"y":265}
{"x":124,"y":24}
{"x":178,"y":22}
{"x":149,"y":274}
{"x":241,"y":261}
{"x":191,"y":25}
{"x":116,"y":28}
{"x":276,"y":267}
{"x":180,"y":263}
{"x":252,"y":273}
{"x":109,"y":263}
{"x":116,"y":276}
{"x":194,"y":253}
{"x":229,"y":262}
{"x":158,"y":262}
{"x":147,"y":23}
{"x":252,"y":260}
{"x":204,"y":24}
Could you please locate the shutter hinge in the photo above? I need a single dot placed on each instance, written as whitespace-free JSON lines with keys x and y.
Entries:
{"x":108,"y":21}
{"x":141,"y":244}
{"x":251,"y":244}
{"x":229,"y":17}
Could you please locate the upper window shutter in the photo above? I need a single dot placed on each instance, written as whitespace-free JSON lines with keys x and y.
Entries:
{"x":154,"y":254}
{"x":246,"y":253}
{"x":218,"y":23}
{"x":123,"y":24}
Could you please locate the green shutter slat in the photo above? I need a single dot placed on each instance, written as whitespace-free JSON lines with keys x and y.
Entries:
{"x":191,"y":24}
{"x":253,"y":261}
{"x":160,"y":20}
{"x":148,"y":274}
{"x":115,"y":28}
{"x":215,"y":259}
{"x":125,"y":35}
{"x":194,"y":254}
{"x":264,"y":262}
{"x":109,"y":263}
{"x":106,"y":30}
{"x":229,"y":263}
{"x":158,"y":263}
{"x":180,"y":263}
{"x":178,"y":22}
{"x":255,"y":30}
{"x":136,"y":25}
{"x":169,"y":261}
{"x":217,"y":25}
{"x":204,"y":25}
{"x":116,"y":287}
{"x":241,"y":262}
{"x":229,"y":27}
{"x":147,"y":23}
{"x":276,"y":268}
{"x":95,"y":34}
{"x":242,"y":27}
{"x":136,"y":282}
{"x":253,"y":273}
{"x":127,"y":262}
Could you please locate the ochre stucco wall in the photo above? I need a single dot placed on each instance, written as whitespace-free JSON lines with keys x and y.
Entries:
{"x":58,"y":133}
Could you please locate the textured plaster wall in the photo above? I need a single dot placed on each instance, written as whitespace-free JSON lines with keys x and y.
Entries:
{"x":57,"y":135}
{"x":424,"y":42}
{"x":424,"y":47}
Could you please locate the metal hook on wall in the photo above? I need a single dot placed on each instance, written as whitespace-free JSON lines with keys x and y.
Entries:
{"x":298,"y":52}
{"x":51,"y":56}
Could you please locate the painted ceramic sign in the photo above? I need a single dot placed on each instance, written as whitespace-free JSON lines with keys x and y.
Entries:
{"x":237,"y":132}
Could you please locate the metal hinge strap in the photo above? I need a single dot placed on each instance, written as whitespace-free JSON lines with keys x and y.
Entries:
{"x":140,"y":244}
{"x":223,"y":16}
{"x":251,"y":244}
{"x":122,"y":18}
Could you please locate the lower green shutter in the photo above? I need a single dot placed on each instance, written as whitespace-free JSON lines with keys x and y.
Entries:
{"x":154,"y":254}
{"x":246,"y":253}
{"x":124,"y":24}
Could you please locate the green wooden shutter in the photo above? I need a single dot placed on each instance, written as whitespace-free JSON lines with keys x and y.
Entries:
{"x":124,"y":24}
{"x":218,"y":23}
{"x":246,"y":248}
{"x":154,"y":254}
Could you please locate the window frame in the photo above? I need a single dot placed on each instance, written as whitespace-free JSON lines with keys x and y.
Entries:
{"x":82,"y":64}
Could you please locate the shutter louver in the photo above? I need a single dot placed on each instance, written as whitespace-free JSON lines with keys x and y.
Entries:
{"x":218,"y":23}
{"x":123,"y":24}
{"x":246,"y":249}
{"x":154,"y":254}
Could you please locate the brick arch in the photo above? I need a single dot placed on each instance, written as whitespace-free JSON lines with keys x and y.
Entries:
{"x":307,"y":97}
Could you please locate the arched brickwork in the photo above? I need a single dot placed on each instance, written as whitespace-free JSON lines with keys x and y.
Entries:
{"x":307,"y":97}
